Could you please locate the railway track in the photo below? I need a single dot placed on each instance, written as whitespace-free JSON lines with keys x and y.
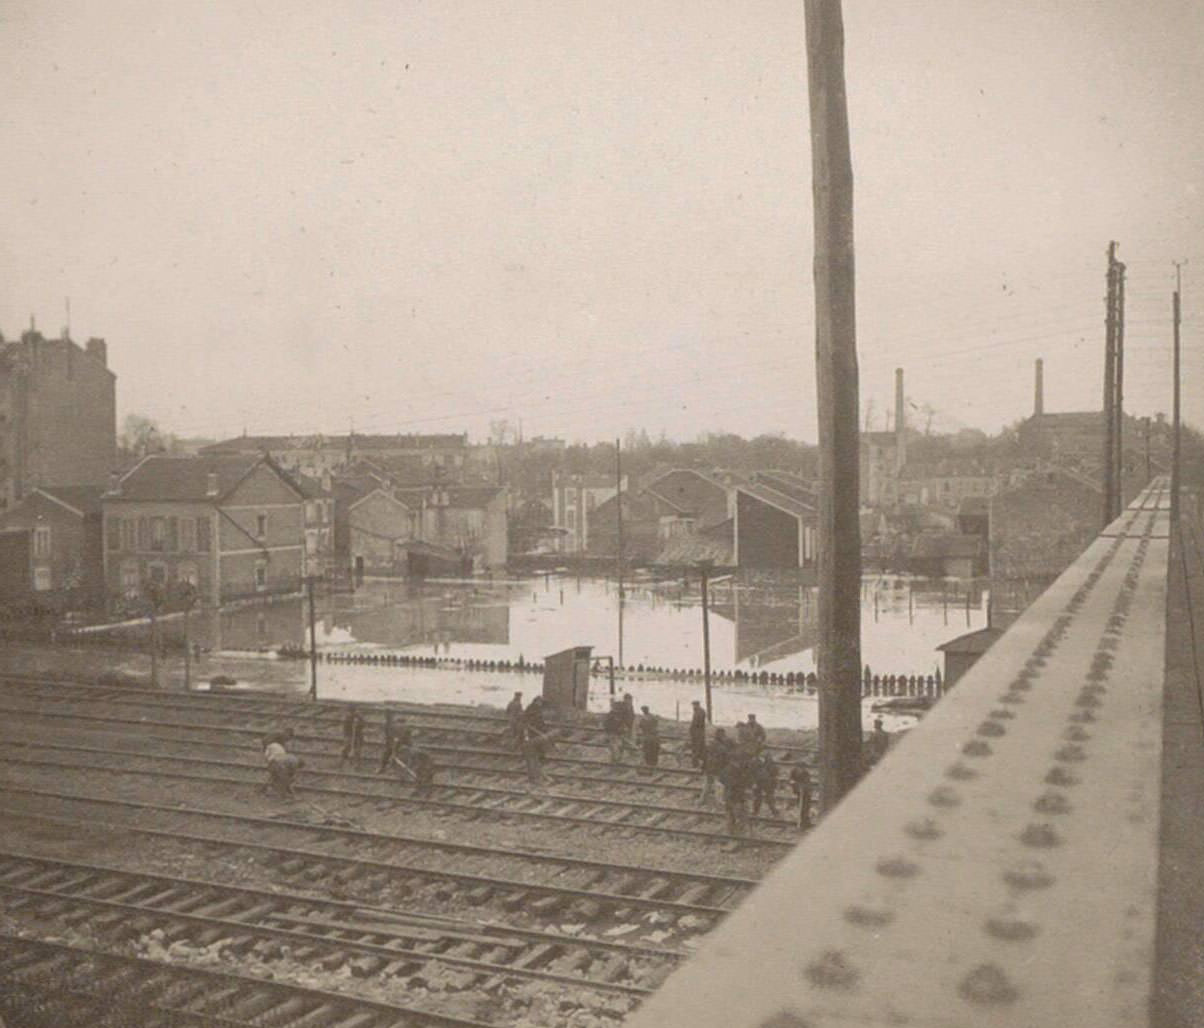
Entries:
{"x":236,"y":922}
{"x":50,"y":983}
{"x":485,"y":725}
{"x":472,"y":783}
{"x":383,"y":794}
{"x":542,"y":888}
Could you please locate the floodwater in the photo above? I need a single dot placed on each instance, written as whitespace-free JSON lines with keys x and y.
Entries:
{"x":764,"y":627}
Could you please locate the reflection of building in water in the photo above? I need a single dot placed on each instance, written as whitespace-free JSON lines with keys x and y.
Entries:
{"x":433,"y":618}
{"x":265,"y":626}
{"x":776,"y":624}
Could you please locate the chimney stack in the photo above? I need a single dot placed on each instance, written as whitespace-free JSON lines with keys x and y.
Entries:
{"x":96,"y":348}
{"x":900,"y":423}
{"x":1039,"y":389}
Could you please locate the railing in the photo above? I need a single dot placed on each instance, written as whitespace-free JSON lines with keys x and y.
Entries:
{"x":1000,"y":865}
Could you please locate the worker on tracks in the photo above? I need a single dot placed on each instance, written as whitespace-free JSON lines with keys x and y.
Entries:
{"x":737,"y":779}
{"x":650,"y":738}
{"x":353,"y":736}
{"x":282,"y":766}
{"x":756,"y":734}
{"x":765,"y":784}
{"x":514,"y":721}
{"x":628,"y":705}
{"x":717,"y":755}
{"x":386,"y":755}
{"x":413,"y":764}
{"x":614,"y":727}
{"x":800,"y":782}
{"x":698,"y":735}
{"x":537,"y":740}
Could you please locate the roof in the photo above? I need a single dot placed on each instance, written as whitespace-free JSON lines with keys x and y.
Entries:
{"x":178,"y":479}
{"x":931,"y":545}
{"x":977,"y":642}
{"x":82,"y":499}
{"x":775,"y":498}
{"x":1069,"y":419}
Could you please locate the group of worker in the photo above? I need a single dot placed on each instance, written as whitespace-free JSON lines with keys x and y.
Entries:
{"x":743,"y":766}
{"x":399,"y":753}
{"x":746,"y":770}
{"x":529,"y":733}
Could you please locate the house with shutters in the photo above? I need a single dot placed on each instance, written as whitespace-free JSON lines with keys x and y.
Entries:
{"x":65,"y":558}
{"x":231,"y":527}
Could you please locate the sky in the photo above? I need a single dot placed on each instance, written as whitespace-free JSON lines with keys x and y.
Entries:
{"x":594,"y":217}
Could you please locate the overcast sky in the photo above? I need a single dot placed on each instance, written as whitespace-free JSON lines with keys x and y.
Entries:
{"x":594,"y":216}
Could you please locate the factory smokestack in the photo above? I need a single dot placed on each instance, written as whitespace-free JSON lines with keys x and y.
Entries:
{"x":900,"y":423}
{"x":1039,"y":389}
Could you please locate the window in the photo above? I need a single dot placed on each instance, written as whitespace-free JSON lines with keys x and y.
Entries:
{"x":113,"y":534}
{"x":156,"y":574}
{"x":173,"y":534}
{"x":188,"y":535}
{"x":41,"y":579}
{"x":261,"y":576}
{"x":41,"y":542}
{"x":187,"y":572}
{"x":129,"y":578}
{"x":203,"y":531}
{"x":261,"y":525}
{"x":129,"y":534}
{"x":144,"y":533}
{"x":158,"y":535}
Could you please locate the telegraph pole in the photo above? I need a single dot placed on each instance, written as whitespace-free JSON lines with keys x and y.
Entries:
{"x":313,"y":640}
{"x":1175,"y":455}
{"x":839,"y":644}
{"x":619,"y":544}
{"x":704,"y":568}
{"x":1109,"y":385}
{"x":1118,"y":406}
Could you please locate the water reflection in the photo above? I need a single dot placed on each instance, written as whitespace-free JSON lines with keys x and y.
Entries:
{"x":764,"y":626}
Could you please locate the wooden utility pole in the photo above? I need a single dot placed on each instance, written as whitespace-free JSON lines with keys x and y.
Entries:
{"x":1109,"y":384}
{"x":619,"y":542}
{"x":1175,"y":471}
{"x":313,"y":640}
{"x":1118,"y":405}
{"x":839,"y":643}
{"x":704,"y":568}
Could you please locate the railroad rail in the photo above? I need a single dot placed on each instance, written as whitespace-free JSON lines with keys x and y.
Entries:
{"x":599,"y":894}
{"x":501,"y":763}
{"x":272,"y":708}
{"x":999,"y":866}
{"x":383,"y":794}
{"x":74,"y":985}
{"x":234,"y":921}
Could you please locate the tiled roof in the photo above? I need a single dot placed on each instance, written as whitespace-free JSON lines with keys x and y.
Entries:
{"x":160,"y":477}
{"x":978,"y":641}
{"x":776,"y":498}
{"x":84,"y":498}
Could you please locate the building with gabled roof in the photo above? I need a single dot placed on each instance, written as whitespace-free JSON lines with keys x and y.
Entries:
{"x":775,"y":527}
{"x":229,"y":527}
{"x":64,"y":524}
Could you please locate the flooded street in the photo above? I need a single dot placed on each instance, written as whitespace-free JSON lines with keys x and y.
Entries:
{"x":765,"y":627}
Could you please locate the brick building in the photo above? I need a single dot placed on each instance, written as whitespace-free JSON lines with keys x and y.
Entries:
{"x":65,"y":532}
{"x":58,"y":415}
{"x":230,"y":526}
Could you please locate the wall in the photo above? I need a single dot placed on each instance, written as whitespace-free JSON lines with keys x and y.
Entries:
{"x":74,"y":562}
{"x":61,"y":426}
{"x":134,"y":554}
{"x":376,"y":524}
{"x":768,"y":537}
